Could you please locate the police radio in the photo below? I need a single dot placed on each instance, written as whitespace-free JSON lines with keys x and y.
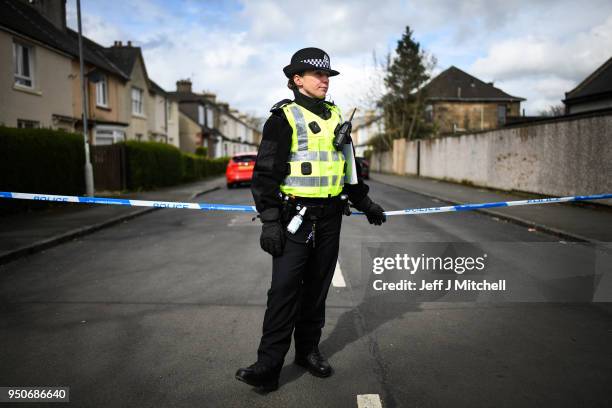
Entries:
{"x":343,"y":133}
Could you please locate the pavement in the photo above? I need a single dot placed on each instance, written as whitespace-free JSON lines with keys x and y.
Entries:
{"x":27,"y":233}
{"x":576,"y":222}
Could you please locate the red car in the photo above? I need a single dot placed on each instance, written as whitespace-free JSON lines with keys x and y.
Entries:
{"x":240,"y":169}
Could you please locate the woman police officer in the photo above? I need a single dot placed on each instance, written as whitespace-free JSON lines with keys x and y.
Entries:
{"x":299,"y":170}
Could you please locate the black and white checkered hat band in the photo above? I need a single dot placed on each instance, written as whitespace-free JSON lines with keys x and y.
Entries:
{"x":319,"y":63}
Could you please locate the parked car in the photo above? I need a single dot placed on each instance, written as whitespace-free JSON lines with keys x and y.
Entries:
{"x":240,"y":169}
{"x":365,"y":167}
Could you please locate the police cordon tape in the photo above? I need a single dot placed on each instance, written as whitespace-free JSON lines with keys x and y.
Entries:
{"x":252,"y":209}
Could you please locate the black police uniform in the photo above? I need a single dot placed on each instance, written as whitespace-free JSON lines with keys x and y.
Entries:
{"x":303,"y":263}
{"x":302,"y":274}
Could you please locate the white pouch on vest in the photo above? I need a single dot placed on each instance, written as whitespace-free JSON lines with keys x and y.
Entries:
{"x":351,"y":168}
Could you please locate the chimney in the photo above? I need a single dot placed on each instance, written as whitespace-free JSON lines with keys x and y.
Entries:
{"x":117,"y":44}
{"x":209,"y":96}
{"x":183,"y":85}
{"x":129,"y":43}
{"x":491,"y":83}
{"x":52,"y":10}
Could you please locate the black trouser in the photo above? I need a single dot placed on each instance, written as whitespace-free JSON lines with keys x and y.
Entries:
{"x":300,"y":282}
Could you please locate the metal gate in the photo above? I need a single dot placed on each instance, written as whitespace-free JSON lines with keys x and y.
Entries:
{"x":109,"y":167}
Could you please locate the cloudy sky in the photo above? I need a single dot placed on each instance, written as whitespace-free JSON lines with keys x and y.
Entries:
{"x":534,"y":49}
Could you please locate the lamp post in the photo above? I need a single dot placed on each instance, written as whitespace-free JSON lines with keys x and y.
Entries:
{"x":89,"y":181}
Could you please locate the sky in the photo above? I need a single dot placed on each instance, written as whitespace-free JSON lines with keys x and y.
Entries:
{"x":535,"y":49}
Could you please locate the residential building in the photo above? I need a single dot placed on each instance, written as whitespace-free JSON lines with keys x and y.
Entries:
{"x":39,"y":69}
{"x":190,"y":133}
{"x":365,"y":127}
{"x":593,"y":93}
{"x":164,"y":117}
{"x":206,"y":122}
{"x":457,"y":102}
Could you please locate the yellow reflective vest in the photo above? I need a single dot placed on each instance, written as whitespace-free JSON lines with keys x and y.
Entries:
{"x":317,"y":168}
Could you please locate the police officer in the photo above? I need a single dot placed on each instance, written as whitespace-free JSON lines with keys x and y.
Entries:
{"x":298,"y":171}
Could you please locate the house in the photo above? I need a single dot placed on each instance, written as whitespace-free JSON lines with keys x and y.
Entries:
{"x":365,"y":127}
{"x":594,"y":93}
{"x":456,"y":101}
{"x":240,"y":135}
{"x":40,"y":84}
{"x":199,"y":110}
{"x":164,"y":120}
{"x":208,"y":123}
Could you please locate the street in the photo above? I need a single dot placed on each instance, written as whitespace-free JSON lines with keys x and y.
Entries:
{"x":161,"y":310}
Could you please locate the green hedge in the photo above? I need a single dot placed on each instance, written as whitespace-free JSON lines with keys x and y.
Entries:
{"x":41,"y":161}
{"x":152,"y":164}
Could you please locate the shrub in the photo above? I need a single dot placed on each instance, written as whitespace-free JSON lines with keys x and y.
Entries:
{"x":40,"y":161}
{"x":152,"y":164}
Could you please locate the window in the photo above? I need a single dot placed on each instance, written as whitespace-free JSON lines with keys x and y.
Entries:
{"x":429,"y":113}
{"x":102,"y":92}
{"x":27,"y":124}
{"x":137,"y":101}
{"x":501,"y":114}
{"x":107,"y":135}
{"x":201,"y":115}
{"x":210,"y":117}
{"x":24,"y":65}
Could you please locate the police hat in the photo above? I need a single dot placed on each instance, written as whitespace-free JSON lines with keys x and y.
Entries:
{"x":309,"y":59}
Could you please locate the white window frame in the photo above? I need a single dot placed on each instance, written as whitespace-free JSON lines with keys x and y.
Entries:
{"x":18,"y":69}
{"x":28,"y":124}
{"x":137,"y":101}
{"x":107,"y":135}
{"x":210,"y":117}
{"x":102,"y":92}
{"x":200,"y":115}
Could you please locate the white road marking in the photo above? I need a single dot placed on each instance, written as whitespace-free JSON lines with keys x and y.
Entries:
{"x":338,"y":279}
{"x":368,"y":401}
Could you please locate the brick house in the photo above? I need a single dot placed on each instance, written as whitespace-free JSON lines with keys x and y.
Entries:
{"x":457,"y":102}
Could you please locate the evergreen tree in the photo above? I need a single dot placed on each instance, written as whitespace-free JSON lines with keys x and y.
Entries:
{"x":407,"y":73}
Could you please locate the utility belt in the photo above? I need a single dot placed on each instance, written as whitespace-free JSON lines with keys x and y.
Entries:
{"x":300,"y":215}
{"x":316,"y":208}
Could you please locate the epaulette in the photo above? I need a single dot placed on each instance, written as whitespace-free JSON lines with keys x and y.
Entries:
{"x":279,"y":105}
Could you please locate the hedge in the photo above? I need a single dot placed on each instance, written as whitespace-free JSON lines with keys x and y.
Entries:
{"x":152,"y":164}
{"x":53,"y":162}
{"x":41,"y":161}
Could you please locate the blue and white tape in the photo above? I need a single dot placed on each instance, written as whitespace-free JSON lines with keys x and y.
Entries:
{"x":252,"y":209}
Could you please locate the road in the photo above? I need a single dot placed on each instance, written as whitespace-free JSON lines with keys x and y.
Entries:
{"x":161,"y":310}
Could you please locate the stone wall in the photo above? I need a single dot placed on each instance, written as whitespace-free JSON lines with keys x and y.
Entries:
{"x":565,"y":156}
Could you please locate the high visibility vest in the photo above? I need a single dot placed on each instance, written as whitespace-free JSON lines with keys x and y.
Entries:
{"x":316,"y":167}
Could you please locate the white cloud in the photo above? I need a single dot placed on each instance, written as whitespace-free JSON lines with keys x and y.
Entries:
{"x":536,"y":50}
{"x":544,"y":68}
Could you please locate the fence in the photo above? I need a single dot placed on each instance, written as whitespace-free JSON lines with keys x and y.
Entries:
{"x":109,"y":167}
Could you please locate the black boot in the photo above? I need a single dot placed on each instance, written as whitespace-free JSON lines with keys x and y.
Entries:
{"x":260,"y":375}
{"x":315,"y":362}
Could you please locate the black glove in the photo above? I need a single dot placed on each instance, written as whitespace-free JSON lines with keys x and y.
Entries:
{"x":272,"y":238}
{"x":373,"y":211}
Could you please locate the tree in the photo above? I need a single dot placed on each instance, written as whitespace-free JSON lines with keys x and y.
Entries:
{"x":406,"y":74}
{"x":553,"y":110}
